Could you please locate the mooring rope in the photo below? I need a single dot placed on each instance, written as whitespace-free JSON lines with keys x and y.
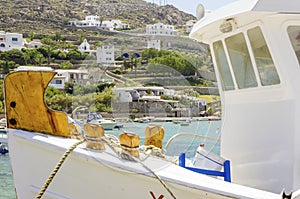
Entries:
{"x":111,"y":144}
{"x":129,"y":156}
{"x":155,"y":175}
{"x":58,"y":166}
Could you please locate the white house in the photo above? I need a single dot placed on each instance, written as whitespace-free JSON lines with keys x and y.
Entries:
{"x":93,"y":21}
{"x":84,"y":46}
{"x":58,"y":81}
{"x":161,"y":29}
{"x":9,"y":41}
{"x":73,"y":75}
{"x":154,"y":43}
{"x":92,"y":18}
{"x":108,"y":25}
{"x":131,"y":94}
{"x":106,"y":55}
{"x":33,"y":44}
{"x":90,"y":21}
{"x":62,"y":76}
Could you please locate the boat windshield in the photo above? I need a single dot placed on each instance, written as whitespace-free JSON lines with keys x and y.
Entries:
{"x":294,"y":35}
{"x":243,"y":64}
{"x":94,"y":116}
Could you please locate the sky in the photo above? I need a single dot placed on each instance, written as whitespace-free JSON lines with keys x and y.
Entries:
{"x":189,"y":6}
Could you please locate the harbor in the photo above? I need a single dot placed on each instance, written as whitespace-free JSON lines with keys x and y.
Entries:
{"x":145,"y":140}
{"x":204,"y":128}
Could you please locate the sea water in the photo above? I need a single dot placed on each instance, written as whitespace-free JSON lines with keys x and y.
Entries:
{"x":7,"y":190}
{"x":182,"y":144}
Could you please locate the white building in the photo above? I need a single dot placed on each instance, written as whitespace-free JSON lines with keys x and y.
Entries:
{"x":106,"y":55}
{"x":58,"y":81}
{"x":154,"y":43}
{"x":161,"y":29}
{"x":9,"y":41}
{"x":84,"y":46}
{"x":75,"y":76}
{"x":33,"y":44}
{"x":90,"y":21}
{"x":118,"y":24}
{"x":62,"y":76}
{"x":131,"y":94}
{"x":92,"y":18}
{"x":93,"y":21}
{"x":114,"y":24}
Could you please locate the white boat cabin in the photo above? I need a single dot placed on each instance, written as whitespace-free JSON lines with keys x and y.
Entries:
{"x":255,"y":46}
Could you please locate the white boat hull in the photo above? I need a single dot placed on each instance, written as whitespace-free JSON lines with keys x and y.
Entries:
{"x":93,"y":174}
{"x":107,"y":125}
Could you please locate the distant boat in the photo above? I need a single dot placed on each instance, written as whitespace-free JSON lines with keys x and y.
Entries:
{"x":3,"y":149}
{"x":3,"y":135}
{"x":97,"y":118}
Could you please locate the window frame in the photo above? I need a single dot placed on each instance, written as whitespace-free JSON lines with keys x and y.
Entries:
{"x":244,"y":31}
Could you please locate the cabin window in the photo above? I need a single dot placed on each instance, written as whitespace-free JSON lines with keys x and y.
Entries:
{"x":223,"y":66}
{"x":58,"y":81}
{"x":264,"y":62}
{"x":241,"y":62}
{"x":294,"y":34}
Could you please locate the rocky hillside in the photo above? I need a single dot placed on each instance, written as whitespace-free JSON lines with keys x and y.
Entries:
{"x":50,"y":16}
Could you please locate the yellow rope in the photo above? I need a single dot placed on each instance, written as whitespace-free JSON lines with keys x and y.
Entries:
{"x":58,"y":166}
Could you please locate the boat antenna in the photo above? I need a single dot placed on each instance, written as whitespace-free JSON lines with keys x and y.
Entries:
{"x":200,"y":10}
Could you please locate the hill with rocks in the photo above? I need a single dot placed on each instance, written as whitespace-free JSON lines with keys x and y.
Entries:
{"x":52,"y":16}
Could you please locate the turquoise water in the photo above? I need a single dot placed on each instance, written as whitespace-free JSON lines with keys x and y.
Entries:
{"x":182,"y":144}
{"x":6,"y":181}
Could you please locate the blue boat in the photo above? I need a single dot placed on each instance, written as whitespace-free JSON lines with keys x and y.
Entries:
{"x":3,"y":149}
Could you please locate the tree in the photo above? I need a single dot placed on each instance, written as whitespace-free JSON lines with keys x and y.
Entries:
{"x":15,"y":55}
{"x":81,"y":38}
{"x":66,"y":65}
{"x":99,"y":43}
{"x":69,"y":87}
{"x":57,"y":36}
{"x":51,"y":92}
{"x":174,"y":61}
{"x":31,"y":36}
{"x":39,"y":59}
{"x":102,"y":86}
{"x":7,"y":65}
{"x":47,"y":52}
{"x":26,"y":55}
{"x":74,"y":54}
{"x":149,"y":53}
{"x":32,"y":56}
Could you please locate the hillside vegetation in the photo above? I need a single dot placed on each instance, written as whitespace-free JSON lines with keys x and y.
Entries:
{"x":51,"y":16}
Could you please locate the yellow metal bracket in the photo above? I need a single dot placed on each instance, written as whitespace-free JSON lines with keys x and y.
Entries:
{"x":25,"y":105}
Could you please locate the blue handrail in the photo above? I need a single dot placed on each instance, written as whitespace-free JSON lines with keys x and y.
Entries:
{"x":225,"y":173}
